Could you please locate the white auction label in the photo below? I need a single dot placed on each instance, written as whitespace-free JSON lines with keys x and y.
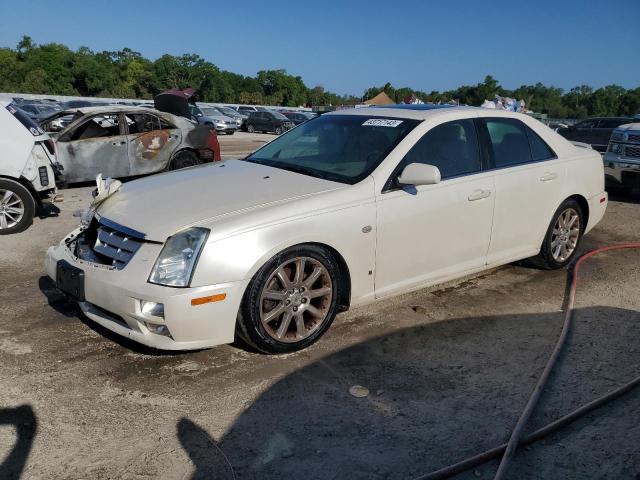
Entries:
{"x":382,"y":122}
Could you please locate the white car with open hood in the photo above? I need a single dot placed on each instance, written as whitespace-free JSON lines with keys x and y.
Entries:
{"x":345,"y":209}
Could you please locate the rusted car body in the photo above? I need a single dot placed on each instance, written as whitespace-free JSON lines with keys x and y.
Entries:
{"x":127,"y":141}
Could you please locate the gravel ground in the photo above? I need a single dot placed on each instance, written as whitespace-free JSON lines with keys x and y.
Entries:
{"x":448,"y":371}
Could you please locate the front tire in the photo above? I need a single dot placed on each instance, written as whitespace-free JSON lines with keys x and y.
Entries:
{"x":563,"y":236}
{"x":278,"y":130}
{"x":184,"y":159}
{"x":250,"y":128}
{"x":291,"y":301}
{"x":17,"y":207}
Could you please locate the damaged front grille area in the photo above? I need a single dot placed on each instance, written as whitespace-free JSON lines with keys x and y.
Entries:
{"x":106,"y":243}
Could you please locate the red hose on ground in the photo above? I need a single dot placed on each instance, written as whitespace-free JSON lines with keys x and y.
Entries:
{"x":516,"y":436}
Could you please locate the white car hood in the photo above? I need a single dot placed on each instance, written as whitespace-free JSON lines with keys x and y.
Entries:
{"x":163,"y":204}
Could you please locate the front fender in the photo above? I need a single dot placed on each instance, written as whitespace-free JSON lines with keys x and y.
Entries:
{"x":240,"y":256}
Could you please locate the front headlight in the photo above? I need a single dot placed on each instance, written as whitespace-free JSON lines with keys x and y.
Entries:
{"x":175,"y":264}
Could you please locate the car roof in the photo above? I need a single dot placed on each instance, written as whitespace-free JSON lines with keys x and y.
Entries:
{"x":106,"y":108}
{"x":417,"y":112}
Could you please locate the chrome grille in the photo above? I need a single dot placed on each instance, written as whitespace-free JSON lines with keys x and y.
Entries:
{"x":107,"y":243}
{"x":632,"y":151}
{"x":634,"y":137}
{"x":116,"y":245}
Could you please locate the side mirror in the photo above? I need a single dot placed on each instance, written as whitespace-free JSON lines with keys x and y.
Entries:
{"x":419,"y":174}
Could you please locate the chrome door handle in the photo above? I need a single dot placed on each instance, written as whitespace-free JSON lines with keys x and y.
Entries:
{"x":548,"y":176}
{"x":479,"y":195}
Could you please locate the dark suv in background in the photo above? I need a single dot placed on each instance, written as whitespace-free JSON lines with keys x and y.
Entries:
{"x":594,"y":131}
{"x":268,"y":121}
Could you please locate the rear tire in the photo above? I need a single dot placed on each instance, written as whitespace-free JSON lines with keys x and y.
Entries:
{"x":285,"y":311}
{"x":563,"y":237}
{"x":184,"y":159}
{"x":17,"y":207}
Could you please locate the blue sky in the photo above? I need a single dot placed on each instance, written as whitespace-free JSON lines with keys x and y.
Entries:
{"x":347,"y":46}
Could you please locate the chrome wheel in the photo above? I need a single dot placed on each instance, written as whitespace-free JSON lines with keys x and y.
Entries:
{"x":296,"y":299}
{"x":11,"y":209}
{"x":565,"y":235}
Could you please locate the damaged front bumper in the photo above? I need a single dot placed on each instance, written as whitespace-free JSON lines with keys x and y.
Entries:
{"x":165,"y":318}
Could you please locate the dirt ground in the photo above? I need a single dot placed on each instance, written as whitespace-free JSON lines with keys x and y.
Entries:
{"x":448,"y":372}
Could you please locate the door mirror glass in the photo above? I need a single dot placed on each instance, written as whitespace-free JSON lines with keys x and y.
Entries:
{"x":419,"y":174}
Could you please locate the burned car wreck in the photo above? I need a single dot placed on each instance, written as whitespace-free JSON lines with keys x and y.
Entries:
{"x":128,"y":141}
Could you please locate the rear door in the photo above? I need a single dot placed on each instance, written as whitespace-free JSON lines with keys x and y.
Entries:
{"x":96,"y":145}
{"x":151,"y":142}
{"x":528,"y":180}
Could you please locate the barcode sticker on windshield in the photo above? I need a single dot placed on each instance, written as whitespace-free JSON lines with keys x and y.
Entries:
{"x":382,"y":122}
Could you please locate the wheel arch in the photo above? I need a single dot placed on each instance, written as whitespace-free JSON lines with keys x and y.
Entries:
{"x":183,"y":149}
{"x":344,"y":300}
{"x":584,"y":206}
{"x":26,"y":184}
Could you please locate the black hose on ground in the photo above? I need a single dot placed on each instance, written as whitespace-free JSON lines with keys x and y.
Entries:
{"x":508,"y":449}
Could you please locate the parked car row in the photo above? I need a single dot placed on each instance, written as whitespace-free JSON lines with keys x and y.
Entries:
{"x":347,"y":208}
{"x":595,"y":131}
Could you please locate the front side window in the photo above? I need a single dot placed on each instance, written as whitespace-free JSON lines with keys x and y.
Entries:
{"x":107,"y":125}
{"x":452,"y":147}
{"x":341,"y":148}
{"x":509,"y":141}
{"x":586,"y":124}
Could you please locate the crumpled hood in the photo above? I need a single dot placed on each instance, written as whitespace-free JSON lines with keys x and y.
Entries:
{"x":162,"y":204}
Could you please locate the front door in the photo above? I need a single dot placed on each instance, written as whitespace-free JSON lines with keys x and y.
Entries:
{"x":97,"y":145}
{"x":151,"y":142}
{"x":433,"y":232}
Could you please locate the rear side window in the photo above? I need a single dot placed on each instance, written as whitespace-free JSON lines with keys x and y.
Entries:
{"x":612,"y":122}
{"x":509,"y":141}
{"x":539,"y":149}
{"x":452,"y":147}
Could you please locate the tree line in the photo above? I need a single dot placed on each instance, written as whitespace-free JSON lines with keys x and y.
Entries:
{"x":55,"y":69}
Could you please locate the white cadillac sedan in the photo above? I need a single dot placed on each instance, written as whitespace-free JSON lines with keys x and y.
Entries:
{"x":345,"y":209}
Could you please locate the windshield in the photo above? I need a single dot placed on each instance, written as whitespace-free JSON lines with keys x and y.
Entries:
{"x":210,"y":111}
{"x":341,"y":148}
{"x":279,"y":116}
{"x":24,"y":119}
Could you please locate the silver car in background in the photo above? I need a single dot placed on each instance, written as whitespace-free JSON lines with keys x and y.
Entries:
{"x":212,"y":116}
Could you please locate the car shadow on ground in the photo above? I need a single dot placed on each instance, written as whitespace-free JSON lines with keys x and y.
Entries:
{"x":25,"y":424}
{"x":438,"y":393}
